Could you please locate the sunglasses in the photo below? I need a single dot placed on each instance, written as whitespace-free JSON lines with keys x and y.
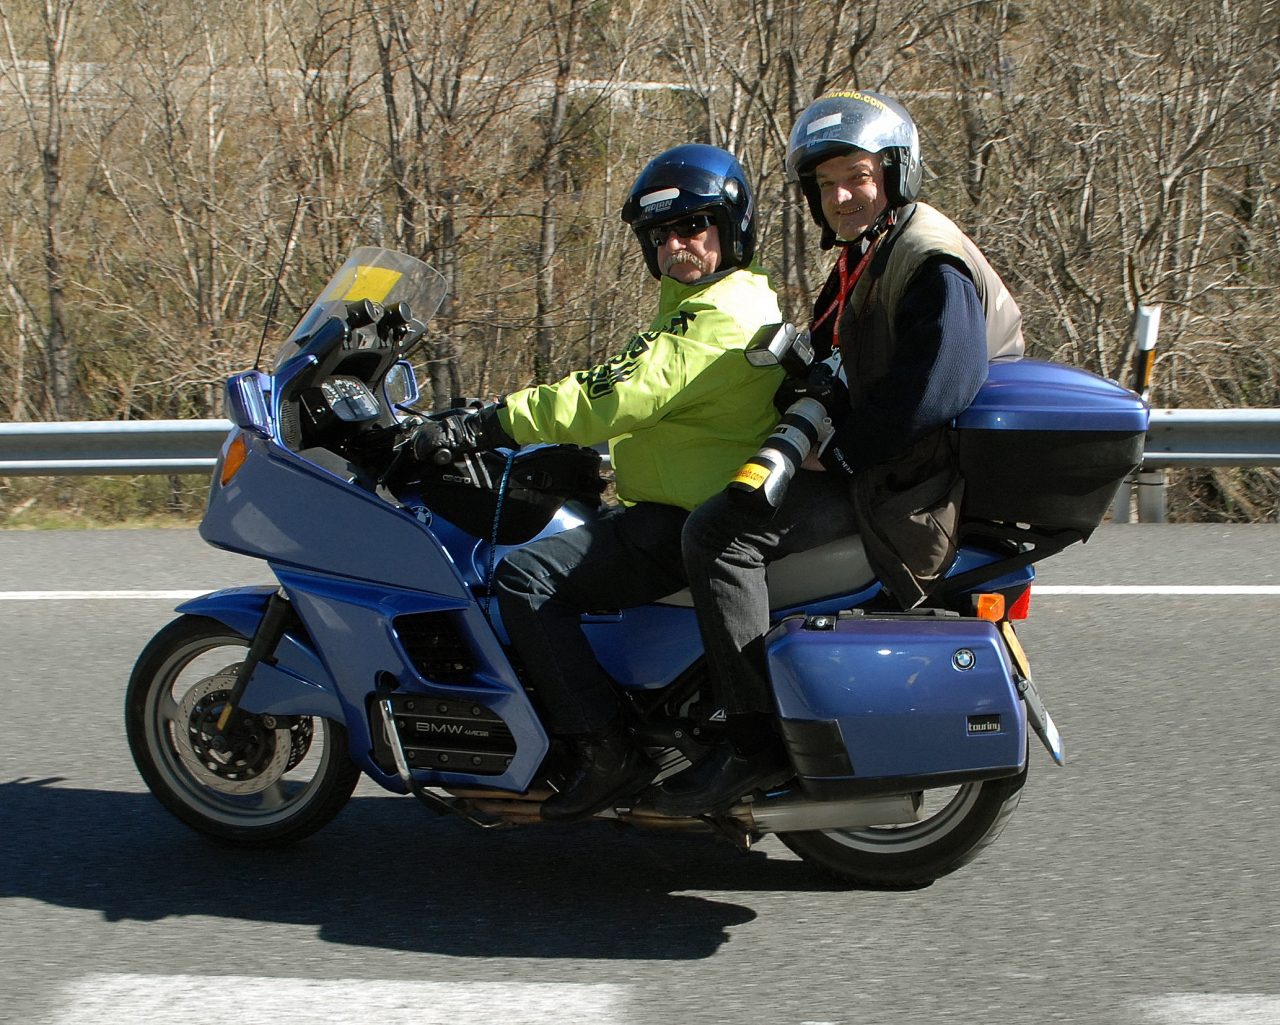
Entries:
{"x":686,"y":228}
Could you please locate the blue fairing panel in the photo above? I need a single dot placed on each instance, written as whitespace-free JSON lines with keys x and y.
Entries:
{"x":646,"y":647}
{"x":293,"y":513}
{"x":297,"y":682}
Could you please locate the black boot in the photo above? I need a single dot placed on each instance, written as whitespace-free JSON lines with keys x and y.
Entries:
{"x":720,"y":779}
{"x":610,"y":766}
{"x":752,"y":759}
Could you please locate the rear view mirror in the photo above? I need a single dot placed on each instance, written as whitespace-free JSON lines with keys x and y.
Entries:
{"x":401,"y":385}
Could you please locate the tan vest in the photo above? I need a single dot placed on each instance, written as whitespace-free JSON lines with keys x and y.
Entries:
{"x":908,"y":509}
{"x":934,"y":234}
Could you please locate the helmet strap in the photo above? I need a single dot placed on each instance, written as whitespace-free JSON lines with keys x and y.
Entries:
{"x":873,"y":231}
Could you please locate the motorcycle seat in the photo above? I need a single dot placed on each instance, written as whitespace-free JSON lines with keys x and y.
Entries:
{"x":838,"y":567}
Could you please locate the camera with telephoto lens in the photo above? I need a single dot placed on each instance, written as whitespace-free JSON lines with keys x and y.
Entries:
{"x":805,"y":426}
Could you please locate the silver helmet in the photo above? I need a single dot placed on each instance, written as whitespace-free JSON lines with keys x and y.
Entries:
{"x":841,"y":122}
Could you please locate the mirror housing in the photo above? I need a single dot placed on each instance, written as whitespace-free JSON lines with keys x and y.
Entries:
{"x":400,"y":387}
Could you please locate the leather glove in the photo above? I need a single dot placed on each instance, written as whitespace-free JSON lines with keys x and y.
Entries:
{"x":820,"y":384}
{"x":445,"y":436}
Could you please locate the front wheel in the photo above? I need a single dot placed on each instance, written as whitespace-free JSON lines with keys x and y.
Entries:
{"x":967,"y":819}
{"x":277,"y":780}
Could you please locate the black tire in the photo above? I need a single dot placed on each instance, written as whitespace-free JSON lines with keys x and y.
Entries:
{"x":968,"y":819}
{"x":282,"y":782}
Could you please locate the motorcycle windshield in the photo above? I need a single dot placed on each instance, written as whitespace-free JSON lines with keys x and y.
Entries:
{"x":380,"y":275}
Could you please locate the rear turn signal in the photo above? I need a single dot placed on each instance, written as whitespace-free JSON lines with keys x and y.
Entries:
{"x":237,"y":453}
{"x":989,"y":606}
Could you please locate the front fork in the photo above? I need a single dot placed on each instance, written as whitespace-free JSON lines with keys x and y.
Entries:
{"x":266,"y":637}
{"x":1037,"y":714}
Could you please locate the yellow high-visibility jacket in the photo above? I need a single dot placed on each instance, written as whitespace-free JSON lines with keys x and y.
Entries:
{"x":680,"y":406}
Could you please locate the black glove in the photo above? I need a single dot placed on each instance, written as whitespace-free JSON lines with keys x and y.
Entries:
{"x":444,"y":437}
{"x":821,"y":384}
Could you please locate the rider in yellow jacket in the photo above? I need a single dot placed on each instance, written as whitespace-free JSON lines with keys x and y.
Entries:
{"x":680,"y":406}
{"x":681,"y":409}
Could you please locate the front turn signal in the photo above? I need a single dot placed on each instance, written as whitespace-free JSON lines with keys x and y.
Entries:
{"x":237,"y":453}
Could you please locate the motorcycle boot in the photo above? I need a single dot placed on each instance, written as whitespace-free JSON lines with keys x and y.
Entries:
{"x":609,"y":766}
{"x":752,"y":759}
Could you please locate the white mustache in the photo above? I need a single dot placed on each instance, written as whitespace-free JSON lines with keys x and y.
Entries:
{"x":683,"y":256}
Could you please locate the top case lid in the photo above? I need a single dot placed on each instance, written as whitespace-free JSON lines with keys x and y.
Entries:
{"x":1035,"y":395}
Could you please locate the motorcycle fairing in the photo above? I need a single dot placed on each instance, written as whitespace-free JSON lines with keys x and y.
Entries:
{"x":355,"y":644}
{"x":289,"y":511}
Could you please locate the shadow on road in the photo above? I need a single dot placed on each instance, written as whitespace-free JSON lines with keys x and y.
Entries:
{"x":386,"y":874}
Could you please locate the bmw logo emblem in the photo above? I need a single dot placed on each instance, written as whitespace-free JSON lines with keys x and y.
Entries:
{"x":964,"y":659}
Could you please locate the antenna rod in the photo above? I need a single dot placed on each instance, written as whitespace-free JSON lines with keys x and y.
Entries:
{"x":275,"y":288}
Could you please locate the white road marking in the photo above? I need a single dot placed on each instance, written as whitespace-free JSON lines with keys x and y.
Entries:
{"x":1038,"y":590}
{"x":121,"y":999}
{"x":1149,"y":590}
{"x":99,"y":595}
{"x":1210,"y":1009}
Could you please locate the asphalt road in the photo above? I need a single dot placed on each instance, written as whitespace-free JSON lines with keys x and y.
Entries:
{"x":1136,"y":885}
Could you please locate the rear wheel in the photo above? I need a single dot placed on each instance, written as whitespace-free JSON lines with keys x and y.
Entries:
{"x":276,"y":780}
{"x":959,"y":823}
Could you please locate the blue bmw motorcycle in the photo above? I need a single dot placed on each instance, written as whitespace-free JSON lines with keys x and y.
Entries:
{"x":378,"y":651}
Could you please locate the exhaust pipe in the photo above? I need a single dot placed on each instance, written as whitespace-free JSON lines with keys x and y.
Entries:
{"x":788,"y":814}
{"x":793,"y":814}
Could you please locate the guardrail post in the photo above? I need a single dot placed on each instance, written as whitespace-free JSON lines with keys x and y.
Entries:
{"x":1151,"y":492}
{"x":1122,"y":506}
{"x":1150,"y":483}
{"x":1146,"y":327}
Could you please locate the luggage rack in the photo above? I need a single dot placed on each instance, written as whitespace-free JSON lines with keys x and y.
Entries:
{"x":1031,"y":545}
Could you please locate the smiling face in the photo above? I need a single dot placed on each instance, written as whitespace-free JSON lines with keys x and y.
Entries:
{"x":852,"y":190}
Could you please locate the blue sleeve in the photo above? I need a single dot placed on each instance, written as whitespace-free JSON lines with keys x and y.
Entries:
{"x":939,"y":364}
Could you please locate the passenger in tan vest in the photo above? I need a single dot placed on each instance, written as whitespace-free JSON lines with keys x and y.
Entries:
{"x":907,"y":322}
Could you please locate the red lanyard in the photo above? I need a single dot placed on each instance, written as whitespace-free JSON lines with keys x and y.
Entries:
{"x":847,"y":280}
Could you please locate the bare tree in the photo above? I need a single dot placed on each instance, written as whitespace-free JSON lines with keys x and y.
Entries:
{"x":41,"y":86}
{"x":563,"y":27}
{"x":1103,"y":155}
{"x":754,"y":68}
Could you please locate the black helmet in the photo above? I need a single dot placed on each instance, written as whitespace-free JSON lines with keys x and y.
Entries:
{"x":841,"y":122}
{"x":694,"y":179}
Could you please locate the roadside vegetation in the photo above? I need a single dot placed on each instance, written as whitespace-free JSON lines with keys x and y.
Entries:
{"x":164,"y":159}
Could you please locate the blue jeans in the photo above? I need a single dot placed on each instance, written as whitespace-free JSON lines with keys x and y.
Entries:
{"x":629,"y":556}
{"x":725,"y":554}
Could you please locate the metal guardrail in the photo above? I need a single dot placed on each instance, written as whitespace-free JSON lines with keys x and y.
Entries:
{"x":1176,"y":438}
{"x":106,"y":447}
{"x":1212,"y":437}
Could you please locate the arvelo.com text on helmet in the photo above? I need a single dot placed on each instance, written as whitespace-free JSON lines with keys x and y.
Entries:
{"x":688,"y":259}
{"x":852,"y":190}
